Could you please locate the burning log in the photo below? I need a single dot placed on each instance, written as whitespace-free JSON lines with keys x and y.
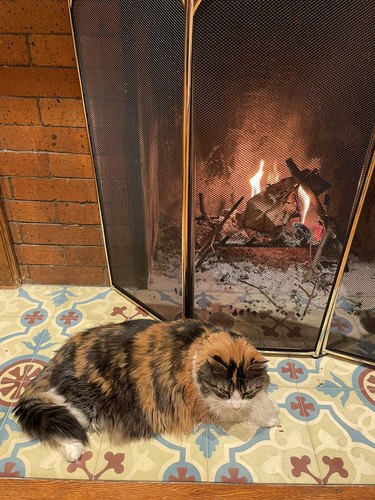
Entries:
{"x":312,"y":191}
{"x":271,"y":208}
{"x":303,"y":181}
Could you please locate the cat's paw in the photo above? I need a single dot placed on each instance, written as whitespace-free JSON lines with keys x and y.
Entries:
{"x":266,"y":423}
{"x":269,"y":417}
{"x":272,"y":422}
{"x":72,"y":450}
{"x":272,"y":419}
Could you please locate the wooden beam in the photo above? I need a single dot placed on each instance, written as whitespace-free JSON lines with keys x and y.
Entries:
{"x":28,"y":489}
{"x":9,"y":271}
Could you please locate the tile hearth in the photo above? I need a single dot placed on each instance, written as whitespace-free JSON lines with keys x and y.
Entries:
{"x":326,"y":436}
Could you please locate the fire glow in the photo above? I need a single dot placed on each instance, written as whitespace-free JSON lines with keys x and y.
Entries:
{"x":304,"y":197}
{"x":255,"y":180}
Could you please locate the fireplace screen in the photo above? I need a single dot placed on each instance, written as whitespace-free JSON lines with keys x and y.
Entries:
{"x":352,"y":331}
{"x":281,"y":136}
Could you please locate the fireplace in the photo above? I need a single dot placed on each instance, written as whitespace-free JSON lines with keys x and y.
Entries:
{"x":232,"y":142}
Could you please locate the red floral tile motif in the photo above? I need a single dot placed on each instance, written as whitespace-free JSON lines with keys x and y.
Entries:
{"x":335,"y":466}
{"x":71,"y":317}
{"x":366,"y":382}
{"x":119,"y":311}
{"x":341,"y":325}
{"x":114,"y":462}
{"x":279,"y":324}
{"x":33,"y":317}
{"x":36,"y":316}
{"x":15,"y":377}
{"x":10,"y":470}
{"x":234,"y":477}
{"x":292,"y":370}
{"x":303,"y":407}
{"x":182,"y":475}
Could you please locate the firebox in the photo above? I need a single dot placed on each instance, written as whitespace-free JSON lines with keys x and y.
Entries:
{"x":233,"y":145}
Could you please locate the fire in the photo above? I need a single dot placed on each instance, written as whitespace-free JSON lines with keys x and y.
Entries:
{"x":305,"y":202}
{"x":273,"y":177}
{"x":255,"y":181}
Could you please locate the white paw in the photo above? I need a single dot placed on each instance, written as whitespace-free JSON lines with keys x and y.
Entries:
{"x":274,"y":418}
{"x":72,"y":450}
{"x":269,"y":417}
{"x":272,"y":422}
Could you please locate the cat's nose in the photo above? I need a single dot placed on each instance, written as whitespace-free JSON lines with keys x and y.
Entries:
{"x":236,"y":405}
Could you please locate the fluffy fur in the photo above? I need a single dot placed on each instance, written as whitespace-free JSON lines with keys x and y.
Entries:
{"x":144,"y":377}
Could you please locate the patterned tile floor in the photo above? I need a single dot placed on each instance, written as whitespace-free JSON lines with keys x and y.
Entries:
{"x":327,"y":431}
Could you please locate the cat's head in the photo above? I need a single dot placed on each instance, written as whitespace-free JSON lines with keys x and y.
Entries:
{"x":231,"y":378}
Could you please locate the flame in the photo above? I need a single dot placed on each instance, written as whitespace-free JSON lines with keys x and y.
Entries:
{"x":255,"y":181}
{"x":273,"y":177}
{"x":305,"y":202}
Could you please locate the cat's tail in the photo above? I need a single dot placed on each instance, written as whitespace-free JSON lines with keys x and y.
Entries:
{"x":52,"y":423}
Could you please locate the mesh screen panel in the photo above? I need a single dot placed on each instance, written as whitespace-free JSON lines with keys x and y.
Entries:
{"x":271,"y":81}
{"x":131,"y":64}
{"x":352,"y":329}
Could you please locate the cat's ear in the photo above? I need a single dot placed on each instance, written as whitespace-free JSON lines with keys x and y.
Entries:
{"x":258,"y":362}
{"x":217,"y":365}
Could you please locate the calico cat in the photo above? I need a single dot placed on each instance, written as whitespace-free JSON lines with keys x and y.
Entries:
{"x":144,"y":377}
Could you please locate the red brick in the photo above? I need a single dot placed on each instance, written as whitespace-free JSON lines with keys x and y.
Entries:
{"x":25,"y":164}
{"x":55,"y":234}
{"x":30,"y":211}
{"x":34,"y":16}
{"x":66,"y":275}
{"x":19,"y":110}
{"x":78,"y":213}
{"x":67,"y":165}
{"x":13,"y":50}
{"x":52,"y":50}
{"x":67,"y":112}
{"x":31,"y":138}
{"x":5,"y":187}
{"x":40,"y":254}
{"x":15,"y":231}
{"x":39,"y":82}
{"x":85,"y":256}
{"x":30,"y":188}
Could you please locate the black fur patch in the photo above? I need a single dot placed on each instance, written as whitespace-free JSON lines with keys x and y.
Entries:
{"x":48,"y":422}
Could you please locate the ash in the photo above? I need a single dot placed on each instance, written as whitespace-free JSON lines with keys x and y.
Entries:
{"x":268,"y":286}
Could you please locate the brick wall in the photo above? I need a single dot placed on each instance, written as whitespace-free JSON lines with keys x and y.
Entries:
{"x":46,"y":175}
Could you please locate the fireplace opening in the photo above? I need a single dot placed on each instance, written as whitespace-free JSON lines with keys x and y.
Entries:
{"x":281,"y":138}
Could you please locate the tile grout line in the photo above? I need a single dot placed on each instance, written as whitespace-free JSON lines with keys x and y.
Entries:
{"x":307,"y":424}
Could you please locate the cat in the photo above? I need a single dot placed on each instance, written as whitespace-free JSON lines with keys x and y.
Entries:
{"x":144,"y":377}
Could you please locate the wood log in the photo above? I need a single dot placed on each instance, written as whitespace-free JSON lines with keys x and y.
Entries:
{"x":271,"y":208}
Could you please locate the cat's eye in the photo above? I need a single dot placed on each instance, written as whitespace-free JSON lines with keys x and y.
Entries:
{"x":223,"y":392}
{"x":247,"y":394}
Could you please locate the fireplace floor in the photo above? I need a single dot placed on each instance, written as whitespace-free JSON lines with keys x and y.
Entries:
{"x":327,"y":405}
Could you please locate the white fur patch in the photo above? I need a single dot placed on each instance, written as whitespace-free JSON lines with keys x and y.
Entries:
{"x":236,"y":400}
{"x":71,"y":449}
{"x":57,"y":399}
{"x":260,"y":410}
